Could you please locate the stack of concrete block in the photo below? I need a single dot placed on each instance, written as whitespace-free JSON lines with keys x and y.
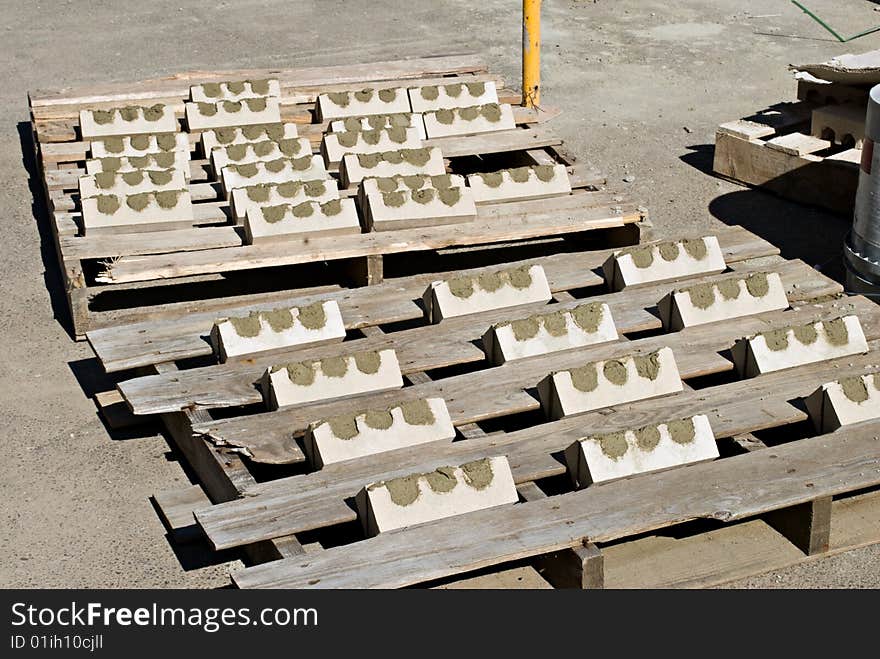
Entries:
{"x":373,"y":431}
{"x":259,"y":331}
{"x":796,"y":345}
{"x":496,"y":289}
{"x":645,"y":264}
{"x":444,"y":492}
{"x":308,"y":218}
{"x":406,"y":202}
{"x":845,"y":401}
{"x":609,"y":382}
{"x":520,"y":183}
{"x":332,"y":377}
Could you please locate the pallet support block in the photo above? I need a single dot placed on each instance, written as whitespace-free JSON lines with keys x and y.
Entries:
{"x":806,"y":525}
{"x":520,"y":183}
{"x":846,"y":401}
{"x":259,"y":331}
{"x":492,"y":290}
{"x":445,"y":492}
{"x":602,"y":458}
{"x":374,"y":431}
{"x":129,"y":120}
{"x":672,"y":259}
{"x":609,"y":382}
{"x":309,"y":218}
{"x":712,"y":302}
{"x":332,"y":377}
{"x":541,"y":334}
{"x":787,"y":347}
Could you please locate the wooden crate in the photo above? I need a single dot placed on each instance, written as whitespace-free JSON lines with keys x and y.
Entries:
{"x":115,"y":279}
{"x":777,"y":150}
{"x":778,"y":495}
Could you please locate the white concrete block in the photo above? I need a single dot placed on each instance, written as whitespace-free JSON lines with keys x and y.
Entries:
{"x":130,"y":183}
{"x":521,"y":183}
{"x":444,"y":492}
{"x":336,"y":145}
{"x":602,"y":458}
{"x":407,"y":183}
{"x":246,"y":135}
{"x":128,"y":120}
{"x":727,"y":298}
{"x":237,"y":90}
{"x":275,"y":194}
{"x":139,"y":145}
{"x":282,"y":170}
{"x":178,"y":160}
{"x":202,"y":116}
{"x":672,"y":259}
{"x":609,"y":382}
{"x":496,"y":289}
{"x":845,"y":401}
{"x":259,"y":331}
{"x":333,"y":377}
{"x":334,"y":217}
{"x":469,"y":121}
{"x":839,"y":124}
{"x":377,"y":121}
{"x":338,"y":105}
{"x":242,"y":154}
{"x":376,"y":431}
{"x":405,"y":162}
{"x":408,"y":209}
{"x":453,"y":95}
{"x":170,"y":208}
{"x":544,"y":333}
{"x":796,"y":345}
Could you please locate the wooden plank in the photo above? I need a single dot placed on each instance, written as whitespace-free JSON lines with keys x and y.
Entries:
{"x":726,"y":490}
{"x":317,"y":500}
{"x":153,"y":242}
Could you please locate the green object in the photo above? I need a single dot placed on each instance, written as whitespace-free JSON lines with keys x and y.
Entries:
{"x":831,"y":29}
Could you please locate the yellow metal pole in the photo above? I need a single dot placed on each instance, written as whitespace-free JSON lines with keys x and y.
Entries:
{"x":531,"y":56}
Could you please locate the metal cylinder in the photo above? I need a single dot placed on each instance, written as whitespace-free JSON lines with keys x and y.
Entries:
{"x":862,"y":247}
{"x":531,"y":57}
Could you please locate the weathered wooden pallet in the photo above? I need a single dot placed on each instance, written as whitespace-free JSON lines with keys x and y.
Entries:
{"x":275,"y":505}
{"x":122,"y":278}
{"x":778,"y":149}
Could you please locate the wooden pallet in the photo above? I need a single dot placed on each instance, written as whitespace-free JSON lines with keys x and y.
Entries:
{"x":776,"y":150}
{"x":774,"y":486}
{"x":115,"y":279}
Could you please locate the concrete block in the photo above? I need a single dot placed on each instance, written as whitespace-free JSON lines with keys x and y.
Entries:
{"x":169,"y":208}
{"x":796,"y":345}
{"x":339,"y":105}
{"x":128,"y":120}
{"x":378,"y":430}
{"x":259,"y":331}
{"x":543,"y":333}
{"x":602,"y":458}
{"x":246,"y":135}
{"x":336,"y":145}
{"x":409,"y":183}
{"x":496,"y":289}
{"x":178,"y":160}
{"x":310,"y":218}
{"x":130,"y":183}
{"x":727,"y":298}
{"x":203,"y":116}
{"x":839,"y":124}
{"x":609,"y":382}
{"x":444,"y":492}
{"x":845,"y":401}
{"x":453,"y":95}
{"x":332,"y":377}
{"x":672,"y":259}
{"x":408,"y":209}
{"x":237,"y":90}
{"x":275,"y":194}
{"x":139,"y":145}
{"x":469,"y":121}
{"x":404,"y":162}
{"x":377,"y":121}
{"x":242,"y":154}
{"x":520,"y":183}
{"x":282,"y":170}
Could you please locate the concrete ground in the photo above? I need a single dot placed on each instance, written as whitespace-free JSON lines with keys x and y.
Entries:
{"x":642,"y":83}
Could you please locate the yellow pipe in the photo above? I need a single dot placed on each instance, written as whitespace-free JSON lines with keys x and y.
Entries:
{"x":531,"y":57}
